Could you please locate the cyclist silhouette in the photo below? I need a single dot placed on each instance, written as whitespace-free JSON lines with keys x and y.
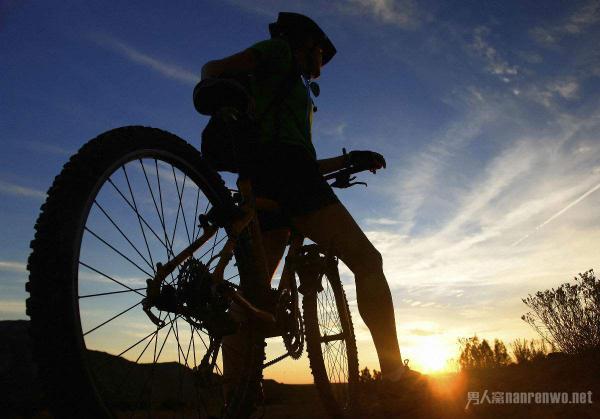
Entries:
{"x":286,"y":169}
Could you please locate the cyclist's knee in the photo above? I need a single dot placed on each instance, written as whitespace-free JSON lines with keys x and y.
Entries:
{"x":367,"y":262}
{"x":371,"y":258}
{"x":375,"y":258}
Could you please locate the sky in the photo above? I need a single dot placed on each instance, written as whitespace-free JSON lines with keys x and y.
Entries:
{"x":487,"y":112}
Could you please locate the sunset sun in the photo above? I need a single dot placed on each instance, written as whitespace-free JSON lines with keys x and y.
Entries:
{"x":431,"y":356}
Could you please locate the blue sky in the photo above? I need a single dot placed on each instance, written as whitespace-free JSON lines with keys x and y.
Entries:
{"x":487,"y":112}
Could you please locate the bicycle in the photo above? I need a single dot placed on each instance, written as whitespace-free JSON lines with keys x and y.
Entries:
{"x":133,"y":299}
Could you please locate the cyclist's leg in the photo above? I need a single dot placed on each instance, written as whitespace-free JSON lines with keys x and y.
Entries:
{"x":333,"y":225}
{"x":274,"y":243}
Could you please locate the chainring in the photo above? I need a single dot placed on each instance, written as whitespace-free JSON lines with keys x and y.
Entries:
{"x":290,"y":322}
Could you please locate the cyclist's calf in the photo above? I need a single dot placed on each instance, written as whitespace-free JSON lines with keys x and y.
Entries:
{"x":334,"y":226}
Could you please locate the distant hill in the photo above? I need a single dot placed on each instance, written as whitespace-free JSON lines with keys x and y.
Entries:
{"x":21,"y":394}
{"x":118,"y":379}
{"x":19,"y":385}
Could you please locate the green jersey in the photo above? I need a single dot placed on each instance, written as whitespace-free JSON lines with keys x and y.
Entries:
{"x":274,"y":58}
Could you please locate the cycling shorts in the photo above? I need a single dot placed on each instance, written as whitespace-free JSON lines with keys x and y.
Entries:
{"x":289,"y":175}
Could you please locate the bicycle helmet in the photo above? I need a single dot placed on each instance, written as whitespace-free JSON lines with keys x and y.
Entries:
{"x":296,"y":27}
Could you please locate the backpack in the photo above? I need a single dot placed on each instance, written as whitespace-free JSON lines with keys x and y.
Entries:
{"x":231,"y":136}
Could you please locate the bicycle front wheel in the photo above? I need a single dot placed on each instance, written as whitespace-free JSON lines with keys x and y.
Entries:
{"x":331,"y":343}
{"x":128,"y":200}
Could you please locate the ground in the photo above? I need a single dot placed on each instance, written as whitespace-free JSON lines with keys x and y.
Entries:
{"x":437,"y":397}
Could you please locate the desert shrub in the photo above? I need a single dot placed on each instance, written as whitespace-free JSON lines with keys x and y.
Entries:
{"x":568,"y":316}
{"x":501,"y":356}
{"x":478,"y":354}
{"x":365,"y":376}
{"x":531,"y":350}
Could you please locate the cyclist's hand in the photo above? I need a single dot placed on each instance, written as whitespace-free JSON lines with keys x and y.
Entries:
{"x":365,"y":160}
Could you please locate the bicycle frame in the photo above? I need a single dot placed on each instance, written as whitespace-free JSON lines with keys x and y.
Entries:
{"x":308,"y":269}
{"x":247,"y":219}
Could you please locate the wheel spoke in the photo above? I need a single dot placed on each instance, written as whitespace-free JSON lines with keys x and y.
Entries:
{"x":176,"y":221}
{"x":112,"y":318}
{"x":158,"y":213}
{"x":137,"y":213}
{"x":153,"y":333}
{"x":195,"y":214}
{"x":179,"y":368}
{"x":154,"y":362}
{"x":110,"y":293}
{"x":110,"y":278}
{"x":151,"y":263}
{"x":143,"y":220}
{"x":333,"y":338}
{"x":118,"y":252}
{"x":180,"y":196}
{"x":141,"y":215}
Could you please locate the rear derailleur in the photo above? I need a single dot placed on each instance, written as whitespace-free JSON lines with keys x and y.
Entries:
{"x":191,"y":294}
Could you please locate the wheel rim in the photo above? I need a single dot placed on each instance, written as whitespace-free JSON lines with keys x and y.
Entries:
{"x":144,"y":211}
{"x":334,"y":335}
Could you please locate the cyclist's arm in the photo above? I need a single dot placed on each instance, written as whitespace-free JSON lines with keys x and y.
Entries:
{"x":242,"y":62}
{"x":332,"y":164}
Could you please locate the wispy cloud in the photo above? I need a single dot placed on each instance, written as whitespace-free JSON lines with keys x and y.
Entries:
{"x":495,"y":64}
{"x":12,"y":266}
{"x":577,"y":22}
{"x":561,"y":212}
{"x":567,"y":89}
{"x":261,"y":7}
{"x":38,"y":146}
{"x":336,"y":131}
{"x":402,"y":13}
{"x":463,"y":272}
{"x":23,"y":191}
{"x":85,"y":275}
{"x":546,"y":92}
{"x":169,"y":70}
{"x":421,"y":174}
{"x":382,"y":221}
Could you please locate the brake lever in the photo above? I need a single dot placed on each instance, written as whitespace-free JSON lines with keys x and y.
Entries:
{"x":357,"y":183}
{"x":344,"y":181}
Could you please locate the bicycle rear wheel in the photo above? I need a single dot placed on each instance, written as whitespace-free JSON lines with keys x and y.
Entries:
{"x":126,"y":201}
{"x":331,"y":343}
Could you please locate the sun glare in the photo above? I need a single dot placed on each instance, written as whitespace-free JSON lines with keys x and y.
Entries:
{"x":431,"y":357}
